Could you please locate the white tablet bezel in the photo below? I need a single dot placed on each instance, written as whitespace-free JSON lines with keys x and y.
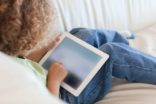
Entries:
{"x":103,"y":55}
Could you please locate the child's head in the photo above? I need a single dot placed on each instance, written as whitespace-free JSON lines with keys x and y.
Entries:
{"x":23,"y":24}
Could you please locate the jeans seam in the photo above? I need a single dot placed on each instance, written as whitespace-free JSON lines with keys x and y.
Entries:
{"x":100,"y":82}
{"x":138,"y":67}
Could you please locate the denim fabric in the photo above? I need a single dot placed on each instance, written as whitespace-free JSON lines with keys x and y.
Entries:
{"x":124,"y":62}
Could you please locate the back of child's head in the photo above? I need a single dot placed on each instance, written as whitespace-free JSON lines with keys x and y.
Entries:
{"x":23,"y":24}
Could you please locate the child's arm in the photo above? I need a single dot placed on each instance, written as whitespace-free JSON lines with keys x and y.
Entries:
{"x":56,"y":75}
{"x":38,"y":54}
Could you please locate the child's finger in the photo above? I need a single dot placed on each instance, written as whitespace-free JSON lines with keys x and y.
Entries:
{"x":53,"y":42}
{"x":58,"y":37}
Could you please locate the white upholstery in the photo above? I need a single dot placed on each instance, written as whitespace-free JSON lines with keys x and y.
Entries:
{"x":131,"y":94}
{"x":142,"y":13}
{"x":112,"y":14}
{"x":145,"y":40}
{"x":92,"y":13}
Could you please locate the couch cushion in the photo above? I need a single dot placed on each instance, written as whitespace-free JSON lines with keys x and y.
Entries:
{"x":135,"y":93}
{"x":142,"y":13}
{"x":145,"y":40}
{"x":105,"y":14}
{"x":92,"y":14}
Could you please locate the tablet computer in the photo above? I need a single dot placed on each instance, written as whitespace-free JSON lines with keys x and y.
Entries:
{"x":78,"y":57}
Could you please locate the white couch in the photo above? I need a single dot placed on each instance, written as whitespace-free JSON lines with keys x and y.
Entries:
{"x":138,"y":16}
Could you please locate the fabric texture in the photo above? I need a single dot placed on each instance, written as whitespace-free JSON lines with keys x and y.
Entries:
{"x":105,"y":14}
{"x":131,"y":93}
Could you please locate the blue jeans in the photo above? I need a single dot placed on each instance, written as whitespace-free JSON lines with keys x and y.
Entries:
{"x":124,"y":62}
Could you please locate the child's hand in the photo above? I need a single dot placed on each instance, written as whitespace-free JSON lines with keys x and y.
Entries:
{"x":38,"y":54}
{"x":56,"y":75}
{"x":53,"y":42}
{"x":57,"y":72}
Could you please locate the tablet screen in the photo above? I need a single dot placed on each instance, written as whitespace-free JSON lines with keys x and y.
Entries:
{"x":78,"y":60}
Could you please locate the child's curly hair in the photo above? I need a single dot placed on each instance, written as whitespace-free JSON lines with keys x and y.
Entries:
{"x":22,"y":24}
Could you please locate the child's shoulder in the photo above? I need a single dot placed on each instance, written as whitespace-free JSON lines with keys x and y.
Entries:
{"x":37,"y":69}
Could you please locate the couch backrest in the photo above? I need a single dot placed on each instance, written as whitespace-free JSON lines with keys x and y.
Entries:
{"x":111,"y":14}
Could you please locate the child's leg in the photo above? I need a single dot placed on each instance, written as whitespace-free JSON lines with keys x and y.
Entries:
{"x":139,"y":66}
{"x":95,"y":90}
{"x":98,"y":37}
{"x":128,"y":63}
{"x":101,"y":83}
{"x":124,"y":62}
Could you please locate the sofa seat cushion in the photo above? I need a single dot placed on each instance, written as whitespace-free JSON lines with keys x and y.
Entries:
{"x":145,"y":40}
{"x":131,"y":93}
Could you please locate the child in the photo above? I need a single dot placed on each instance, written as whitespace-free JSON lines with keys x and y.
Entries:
{"x":24,"y":23}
